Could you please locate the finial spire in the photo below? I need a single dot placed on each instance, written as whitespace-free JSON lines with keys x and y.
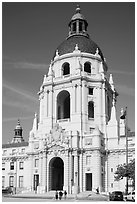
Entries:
{"x":78,"y":9}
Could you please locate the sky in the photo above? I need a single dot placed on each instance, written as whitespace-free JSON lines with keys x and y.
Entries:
{"x":31,"y":32}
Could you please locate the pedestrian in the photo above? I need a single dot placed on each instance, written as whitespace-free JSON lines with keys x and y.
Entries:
{"x":97,"y":190}
{"x":60,"y":195}
{"x":65,"y":194}
{"x":56,"y":195}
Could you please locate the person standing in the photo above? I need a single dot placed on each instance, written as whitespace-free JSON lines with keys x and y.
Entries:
{"x":65,"y":194}
{"x":60,"y":195}
{"x":56,"y":195}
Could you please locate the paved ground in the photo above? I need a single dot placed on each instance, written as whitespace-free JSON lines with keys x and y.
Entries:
{"x":13,"y":199}
{"x":50,"y":197}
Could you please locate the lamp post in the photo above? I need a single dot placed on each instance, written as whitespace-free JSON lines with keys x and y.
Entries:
{"x":76,"y":175}
{"x":126,"y":133}
{"x":124,"y":116}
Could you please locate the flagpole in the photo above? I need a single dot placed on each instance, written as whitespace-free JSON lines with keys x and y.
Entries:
{"x":126,"y":134}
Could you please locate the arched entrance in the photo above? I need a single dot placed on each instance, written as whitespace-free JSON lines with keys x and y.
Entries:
{"x":56,"y":174}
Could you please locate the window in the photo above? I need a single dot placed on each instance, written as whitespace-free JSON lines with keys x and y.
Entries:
{"x":74,"y":27}
{"x":4,"y":152}
{"x":3,"y":165}
{"x":20,"y":181}
{"x":90,"y":109}
{"x":21,"y":165}
{"x":111,"y":185}
{"x":91,"y":130}
{"x":3,"y":181}
{"x":11,"y":165}
{"x":87,"y":67}
{"x":88,"y":160}
{"x":66,"y":68}
{"x":13,"y":151}
{"x":11,"y":181}
{"x":36,"y":163}
{"x":90,"y":91}
{"x":80,"y":26}
{"x":111,"y":169}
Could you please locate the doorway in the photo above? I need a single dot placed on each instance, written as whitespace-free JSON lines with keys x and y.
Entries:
{"x":56,"y":174}
{"x":89,"y":182}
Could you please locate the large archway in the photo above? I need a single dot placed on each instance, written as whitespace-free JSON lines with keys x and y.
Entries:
{"x":56,"y":174}
{"x":63,"y":105}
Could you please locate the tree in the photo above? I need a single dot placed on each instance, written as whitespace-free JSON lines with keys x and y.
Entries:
{"x":124,"y":170}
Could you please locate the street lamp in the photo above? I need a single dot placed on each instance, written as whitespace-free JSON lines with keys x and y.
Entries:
{"x":76,"y":175}
{"x":124,"y":116}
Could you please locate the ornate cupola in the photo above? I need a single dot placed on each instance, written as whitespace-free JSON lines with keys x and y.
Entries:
{"x":18,"y":133}
{"x":78,"y":24}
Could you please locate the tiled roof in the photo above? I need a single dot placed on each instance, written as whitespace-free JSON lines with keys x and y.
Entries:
{"x":10,"y":145}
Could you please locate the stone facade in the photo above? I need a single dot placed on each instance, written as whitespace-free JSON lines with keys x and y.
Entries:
{"x":76,"y":142}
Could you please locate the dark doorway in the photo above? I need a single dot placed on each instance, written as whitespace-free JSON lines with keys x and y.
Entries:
{"x":36,"y":181}
{"x":89,"y":182}
{"x":56,"y":174}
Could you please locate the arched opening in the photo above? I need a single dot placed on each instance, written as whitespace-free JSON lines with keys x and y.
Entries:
{"x":74,"y":26}
{"x":56,"y":174}
{"x":87,"y":67}
{"x":66,"y":68}
{"x":63,"y":105}
{"x":90,"y":109}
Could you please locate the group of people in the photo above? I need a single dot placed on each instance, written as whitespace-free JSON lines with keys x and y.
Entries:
{"x":60,"y":194}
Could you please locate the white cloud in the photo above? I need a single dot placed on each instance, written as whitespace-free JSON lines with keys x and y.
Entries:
{"x":20,"y":92}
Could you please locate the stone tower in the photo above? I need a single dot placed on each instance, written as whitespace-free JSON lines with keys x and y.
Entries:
{"x":76,"y":99}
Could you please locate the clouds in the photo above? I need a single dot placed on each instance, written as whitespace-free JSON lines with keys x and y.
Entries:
{"x":11,"y":63}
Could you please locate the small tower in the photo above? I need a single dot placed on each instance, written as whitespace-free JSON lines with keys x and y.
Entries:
{"x":18,"y":133}
{"x":78,"y":24}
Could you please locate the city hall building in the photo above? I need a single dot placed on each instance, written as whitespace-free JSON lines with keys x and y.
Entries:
{"x":76,"y":141}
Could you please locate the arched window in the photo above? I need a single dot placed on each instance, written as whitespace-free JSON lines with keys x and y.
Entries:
{"x":66,"y":68}
{"x":74,"y":27}
{"x":63,"y":105}
{"x":87,"y":67}
{"x":90,"y":109}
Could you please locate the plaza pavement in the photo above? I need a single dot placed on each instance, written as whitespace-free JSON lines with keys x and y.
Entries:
{"x":91,"y":196}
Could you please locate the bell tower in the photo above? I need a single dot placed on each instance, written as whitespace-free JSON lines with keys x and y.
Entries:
{"x":18,"y":133}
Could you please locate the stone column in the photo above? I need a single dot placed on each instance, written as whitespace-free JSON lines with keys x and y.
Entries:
{"x":44,"y":170}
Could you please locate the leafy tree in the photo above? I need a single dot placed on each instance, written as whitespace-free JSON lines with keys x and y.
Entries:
{"x":124,"y":170}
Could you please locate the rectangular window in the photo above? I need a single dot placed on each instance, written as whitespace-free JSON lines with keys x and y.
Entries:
{"x":90,"y":91}
{"x":111,"y":169}
{"x":3,"y":181}
{"x":11,"y":165}
{"x":3,"y":166}
{"x":20,"y":181}
{"x":4,"y":152}
{"x":13,"y":151}
{"x":88,"y":160}
{"x":11,"y":181}
{"x":36,"y":163}
{"x":21,"y":165}
{"x":111,"y":185}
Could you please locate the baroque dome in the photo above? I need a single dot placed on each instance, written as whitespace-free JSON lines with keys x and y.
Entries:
{"x":78,"y":35}
{"x":85,"y":44}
